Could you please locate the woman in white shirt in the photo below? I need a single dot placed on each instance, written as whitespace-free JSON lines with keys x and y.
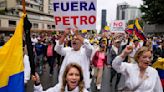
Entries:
{"x":139,"y":77}
{"x":72,"y":81}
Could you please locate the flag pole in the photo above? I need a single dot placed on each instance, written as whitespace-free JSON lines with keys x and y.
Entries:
{"x":27,"y":26}
{"x":23,"y":6}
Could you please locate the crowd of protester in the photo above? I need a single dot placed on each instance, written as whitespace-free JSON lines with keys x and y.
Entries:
{"x":78,"y":55}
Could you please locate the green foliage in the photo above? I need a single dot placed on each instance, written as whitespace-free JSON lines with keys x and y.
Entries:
{"x":153,"y":11}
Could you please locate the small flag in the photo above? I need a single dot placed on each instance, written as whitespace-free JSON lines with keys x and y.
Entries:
{"x":129,"y":29}
{"x":139,"y":31}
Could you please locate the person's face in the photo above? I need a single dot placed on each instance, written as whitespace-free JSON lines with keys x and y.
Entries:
{"x":136,"y":43}
{"x":76,"y":44}
{"x":147,"y":43}
{"x":103,"y":47}
{"x":117,"y":44}
{"x":73,"y":78}
{"x":144,"y":60}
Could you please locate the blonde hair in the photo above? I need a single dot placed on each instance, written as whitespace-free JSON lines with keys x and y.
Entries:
{"x":64,"y":82}
{"x":140,"y":52}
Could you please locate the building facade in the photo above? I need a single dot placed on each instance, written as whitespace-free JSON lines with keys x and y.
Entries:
{"x":132,"y":12}
{"x":103,"y":19}
{"x":127,"y":12}
{"x":40,"y":14}
{"x":120,"y":14}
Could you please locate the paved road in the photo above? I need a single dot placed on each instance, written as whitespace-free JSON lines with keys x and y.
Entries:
{"x":49,"y":81}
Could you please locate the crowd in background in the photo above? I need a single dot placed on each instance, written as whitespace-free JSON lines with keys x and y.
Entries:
{"x":105,"y":48}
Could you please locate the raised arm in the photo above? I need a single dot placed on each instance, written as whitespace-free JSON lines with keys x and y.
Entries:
{"x":88,"y":47}
{"x":59,"y":47}
{"x":118,"y":63}
{"x":66,"y":32}
{"x":38,"y":87}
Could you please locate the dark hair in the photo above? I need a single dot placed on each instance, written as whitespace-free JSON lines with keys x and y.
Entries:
{"x":102,"y":45}
{"x":135,"y":40}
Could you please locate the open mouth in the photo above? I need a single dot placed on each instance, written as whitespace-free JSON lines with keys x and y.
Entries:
{"x":146,"y":63}
{"x":74,"y":43}
{"x":74,"y":83}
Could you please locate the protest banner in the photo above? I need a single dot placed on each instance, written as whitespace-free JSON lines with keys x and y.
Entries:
{"x":81,"y":13}
{"x":118,"y":26}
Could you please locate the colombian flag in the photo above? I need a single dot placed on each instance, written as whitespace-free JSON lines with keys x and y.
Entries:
{"x":161,"y":75}
{"x":139,"y":31}
{"x":159,"y":65}
{"x":11,"y":62}
{"x":129,"y":29}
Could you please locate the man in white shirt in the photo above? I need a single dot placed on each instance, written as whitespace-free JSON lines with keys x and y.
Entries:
{"x":79,"y":53}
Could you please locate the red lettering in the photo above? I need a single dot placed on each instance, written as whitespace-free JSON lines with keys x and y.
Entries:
{"x":74,"y":19}
{"x":92,"y":19}
{"x":120,"y":24}
{"x":115,"y":24}
{"x":83,"y":20}
{"x":77,"y":20}
{"x":57,"y":19}
{"x":66,"y":20}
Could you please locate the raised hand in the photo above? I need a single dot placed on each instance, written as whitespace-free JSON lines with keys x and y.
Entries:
{"x":75,"y":30}
{"x":36,"y":78}
{"x":67,"y":31}
{"x":127,"y":51}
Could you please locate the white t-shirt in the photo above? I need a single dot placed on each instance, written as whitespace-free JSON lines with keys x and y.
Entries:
{"x":81,"y":57}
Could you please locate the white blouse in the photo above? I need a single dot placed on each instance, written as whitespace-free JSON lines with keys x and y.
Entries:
{"x":131,"y":72}
{"x":56,"y":88}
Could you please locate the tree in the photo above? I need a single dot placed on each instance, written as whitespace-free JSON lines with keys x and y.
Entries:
{"x":153,"y":11}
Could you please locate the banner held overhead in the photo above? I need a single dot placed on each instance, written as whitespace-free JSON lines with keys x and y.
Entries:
{"x":81,"y":13}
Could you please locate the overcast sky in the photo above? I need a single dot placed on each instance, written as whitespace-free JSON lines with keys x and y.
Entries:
{"x":110,"y":6}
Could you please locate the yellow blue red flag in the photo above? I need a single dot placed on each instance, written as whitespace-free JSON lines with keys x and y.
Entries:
{"x":139,"y":31}
{"x":129,"y":29}
{"x":11,"y":62}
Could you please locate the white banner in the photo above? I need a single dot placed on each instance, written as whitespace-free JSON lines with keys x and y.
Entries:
{"x":118,"y":25}
{"x":81,"y":13}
